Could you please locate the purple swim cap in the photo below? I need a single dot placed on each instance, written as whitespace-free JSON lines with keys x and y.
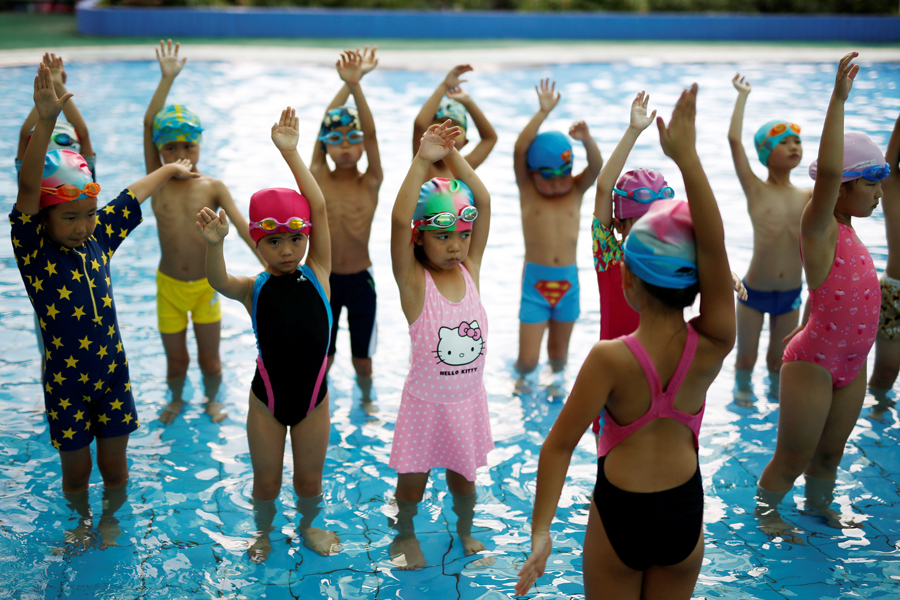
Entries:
{"x":859,"y":152}
{"x":627,"y":208}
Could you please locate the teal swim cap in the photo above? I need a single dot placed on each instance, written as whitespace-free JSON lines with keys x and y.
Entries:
{"x":176,"y":123}
{"x":770,"y":135}
{"x":453,"y":110}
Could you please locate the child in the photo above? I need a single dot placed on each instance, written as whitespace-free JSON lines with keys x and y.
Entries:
{"x":71,"y":134}
{"x":181,"y":287}
{"x":550,"y":197}
{"x":288,"y":304}
{"x":775,"y":206}
{"x":823,"y":379}
{"x":652,"y":384}
{"x":443,"y":419}
{"x":436,"y":110}
{"x":351,"y":198}
{"x":63,"y":246}
{"x":887,"y":344}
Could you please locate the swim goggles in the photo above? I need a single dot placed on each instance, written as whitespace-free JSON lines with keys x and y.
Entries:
{"x":63,"y":139}
{"x":646,"y":195}
{"x":874,"y":173}
{"x":71,"y":192}
{"x":446,"y":220}
{"x":778,"y":129}
{"x":271,"y":225}
{"x":337,"y":137}
{"x":548,"y":173}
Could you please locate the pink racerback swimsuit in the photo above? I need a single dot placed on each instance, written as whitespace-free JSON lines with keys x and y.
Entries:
{"x":844,"y":313}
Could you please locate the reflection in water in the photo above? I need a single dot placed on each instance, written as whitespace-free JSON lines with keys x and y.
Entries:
{"x":263,"y":515}
{"x":113,"y":499}
{"x":79,"y":537}
{"x":405,"y":551}
{"x":326,"y":543}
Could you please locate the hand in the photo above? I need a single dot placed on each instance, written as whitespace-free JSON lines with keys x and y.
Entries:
{"x":184,"y":169}
{"x":639,"y":118}
{"x":739,"y":288}
{"x":452,"y":79}
{"x":286,"y":132}
{"x":678,"y":140}
{"x":212,"y":227}
{"x":846,"y":73}
{"x":579,"y":131}
{"x":541,"y":545}
{"x":349,"y":67}
{"x":791,"y":335}
{"x":741,"y":84}
{"x":547,"y":95}
{"x":368,"y":60}
{"x":45,"y":101}
{"x":168,"y":59}
{"x":57,"y":71}
{"x":437,"y":142}
{"x":459,"y":95}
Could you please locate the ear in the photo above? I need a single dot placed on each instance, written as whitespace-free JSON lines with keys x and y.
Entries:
{"x":444,"y":332}
{"x":418,"y":237}
{"x":619,"y":225}
{"x":628,"y":278}
{"x":474,"y":325}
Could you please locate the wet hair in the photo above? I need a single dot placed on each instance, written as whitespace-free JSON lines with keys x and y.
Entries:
{"x":672,"y":297}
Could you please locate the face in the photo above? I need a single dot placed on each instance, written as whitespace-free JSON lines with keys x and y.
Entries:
{"x":786,"y":154}
{"x":283,"y":251}
{"x":553,"y":187}
{"x":858,"y":197}
{"x":345,"y":155}
{"x":71,"y":223}
{"x":173,"y":151}
{"x":444,"y":249}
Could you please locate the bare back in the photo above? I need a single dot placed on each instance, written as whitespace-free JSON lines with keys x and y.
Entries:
{"x":775,"y":212}
{"x":550,"y":225}
{"x":351,"y":203}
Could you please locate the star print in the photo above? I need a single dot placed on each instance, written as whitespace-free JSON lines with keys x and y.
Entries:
{"x":102,"y":352}
{"x":103,"y":256}
{"x":130,"y":193}
{"x":50,"y":268}
{"x":99,"y":385}
{"x":47,"y":352}
{"x":109,"y":229}
{"x":116,"y":405}
{"x":112,"y":366}
{"x":79,"y":415}
{"x":127,"y":418}
{"x":43,"y":325}
{"x":86,"y":399}
{"x":52,"y":312}
{"x":95,"y":265}
{"x":38,"y":284}
{"x":119,"y":346}
{"x":26,"y":260}
{"x":53,"y":414}
{"x":87,"y":425}
{"x":79,"y":312}
{"x":107,"y":301}
{"x":16,"y":243}
{"x":112,"y":330}
{"x":48,"y":388}
{"x":103,"y":419}
{"x":110,"y":252}
{"x":55,"y":444}
{"x":25,"y":218}
{"x":126,"y":212}
{"x":108,"y":284}
{"x":71,"y":361}
{"x":127,"y":386}
{"x":123,"y":233}
{"x":69,"y":433}
{"x":91,"y":282}
{"x":58,"y":378}
{"x":109,"y":209}
{"x":76,"y":275}
{"x":85,"y":343}
{"x":64,"y":404}
{"x":98,"y":320}
{"x":83,"y":378}
{"x":64,"y":293}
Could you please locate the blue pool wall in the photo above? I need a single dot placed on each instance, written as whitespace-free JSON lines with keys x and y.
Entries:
{"x":358,"y":23}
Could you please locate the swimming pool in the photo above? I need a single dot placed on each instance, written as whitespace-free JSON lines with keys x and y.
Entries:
{"x":187,"y":519}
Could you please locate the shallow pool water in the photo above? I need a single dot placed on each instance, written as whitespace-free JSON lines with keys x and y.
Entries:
{"x":187,"y":520}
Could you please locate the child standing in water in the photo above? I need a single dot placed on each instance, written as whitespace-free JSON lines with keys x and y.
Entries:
{"x":291,"y":315}
{"x":449,"y":101}
{"x":653,"y":385}
{"x":823,"y":380}
{"x":172,"y":133}
{"x":443,"y":419}
{"x":351,"y":198}
{"x":775,"y":207}
{"x":550,"y":198}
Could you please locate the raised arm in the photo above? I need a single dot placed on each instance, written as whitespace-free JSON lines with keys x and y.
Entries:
{"x":226,"y":203}
{"x":285,"y":134}
{"x":70,"y":110}
{"x":426,"y":115}
{"x":25,"y":132}
{"x":48,"y":107}
{"x":678,"y":140}
{"x":214,"y":228}
{"x":745,"y":174}
{"x":170,"y":66}
{"x":890,"y":203}
{"x":639,"y":121}
{"x":145,"y":187}
{"x":485,"y":130}
{"x":548,"y":99}
{"x":482,"y":225}
{"x":350,"y":70}
{"x":584,"y":180}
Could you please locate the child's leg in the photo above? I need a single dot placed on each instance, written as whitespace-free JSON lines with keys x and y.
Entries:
{"x":558,"y":343}
{"x":113,"y":499}
{"x":530,"y":337}
{"x":887,"y":363}
{"x":749,"y":325}
{"x":265,"y":437}
{"x":464,"y":499}
{"x":405,"y":551}
{"x":76,"y":469}
{"x":208,"y":337}
{"x":675,"y":582}
{"x":779,"y":327}
{"x":264,"y":512}
{"x":177,"y":361}
{"x":112,"y":460}
{"x":605,"y":575}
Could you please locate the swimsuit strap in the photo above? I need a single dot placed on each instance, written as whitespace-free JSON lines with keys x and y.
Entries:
{"x":652,"y":375}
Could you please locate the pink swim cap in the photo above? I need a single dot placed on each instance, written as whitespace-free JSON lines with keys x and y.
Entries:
{"x":627,"y":208}
{"x":280,"y":204}
{"x":63,"y":167}
{"x":859,"y":152}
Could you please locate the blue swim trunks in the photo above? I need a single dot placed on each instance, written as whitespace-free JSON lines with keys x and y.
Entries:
{"x":549,"y":293}
{"x":774,"y":303}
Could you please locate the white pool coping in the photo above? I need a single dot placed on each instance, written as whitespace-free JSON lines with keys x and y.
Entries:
{"x":512,"y":55}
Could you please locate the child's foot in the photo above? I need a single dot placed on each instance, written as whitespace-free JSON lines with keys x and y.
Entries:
{"x":833,"y":518}
{"x":522,"y":386}
{"x":259,"y":549}
{"x":774,"y":526}
{"x":172,"y":410}
{"x":556,"y":393}
{"x":406,"y":554}
{"x":369,"y":407}
{"x":80,"y":538}
{"x":326,"y":543}
{"x":216,"y":411}
{"x":471,"y":545}
{"x":110,"y":532}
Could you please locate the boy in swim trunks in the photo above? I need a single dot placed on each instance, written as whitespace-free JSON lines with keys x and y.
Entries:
{"x":550,"y":197}
{"x":346,"y":133}
{"x":449,"y":101}
{"x":775,"y":207}
{"x":172,"y":133}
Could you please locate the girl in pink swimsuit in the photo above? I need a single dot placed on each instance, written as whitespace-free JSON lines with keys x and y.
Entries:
{"x":443,"y":419}
{"x":653,"y":386}
{"x":823,"y":379}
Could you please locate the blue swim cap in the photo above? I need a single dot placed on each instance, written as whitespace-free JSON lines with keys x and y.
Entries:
{"x":549,"y":150}
{"x":770,"y":135}
{"x":453,"y":110}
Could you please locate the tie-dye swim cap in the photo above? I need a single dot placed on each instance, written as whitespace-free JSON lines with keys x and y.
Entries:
{"x":859,"y":152}
{"x":660,"y":249}
{"x":176,"y":123}
{"x":453,"y":110}
{"x":770,"y":135}
{"x":550,"y":150}
{"x":281,"y":204}
{"x":64,"y":167}
{"x":442,"y":195}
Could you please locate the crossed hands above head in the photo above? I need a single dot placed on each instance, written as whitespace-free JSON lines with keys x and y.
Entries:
{"x":47,"y":104}
{"x":349,"y":67}
{"x":57,"y":70}
{"x":458,"y":94}
{"x":437,"y":141}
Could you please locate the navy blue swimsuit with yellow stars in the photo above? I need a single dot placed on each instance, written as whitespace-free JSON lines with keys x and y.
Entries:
{"x":87,"y":391}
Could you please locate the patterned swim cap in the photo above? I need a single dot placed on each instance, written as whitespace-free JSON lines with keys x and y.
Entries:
{"x":770,"y":135}
{"x":859,"y":152}
{"x":175,"y":123}
{"x":549,"y":150}
{"x":627,"y":208}
{"x":280,"y":204}
{"x":64,"y":137}
{"x":660,"y":249}
{"x":345,"y":116}
{"x":443,"y":195}
{"x":453,"y":110}
{"x":63,"y":167}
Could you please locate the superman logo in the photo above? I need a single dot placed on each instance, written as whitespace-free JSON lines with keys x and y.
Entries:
{"x":552,"y":291}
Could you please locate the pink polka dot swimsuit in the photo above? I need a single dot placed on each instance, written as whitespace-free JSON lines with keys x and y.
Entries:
{"x":844,"y":313}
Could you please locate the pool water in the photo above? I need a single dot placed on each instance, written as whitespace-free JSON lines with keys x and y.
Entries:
{"x":187,"y":519}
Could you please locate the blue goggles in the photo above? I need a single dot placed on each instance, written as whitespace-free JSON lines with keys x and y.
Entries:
{"x":337,"y":137}
{"x":874,"y":173}
{"x":548,"y":173}
{"x":63,"y":139}
{"x":646,"y":195}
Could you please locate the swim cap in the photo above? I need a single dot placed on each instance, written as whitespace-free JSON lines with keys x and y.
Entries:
{"x":175,"y":123}
{"x":549,"y":150}
{"x":627,"y":208}
{"x":345,"y":116}
{"x":859,"y":152}
{"x":453,"y":110}
{"x":280,"y":204}
{"x":661,"y":249}
{"x":63,"y":167}
{"x":64,"y":137}
{"x":770,"y":135}
{"x":443,"y":195}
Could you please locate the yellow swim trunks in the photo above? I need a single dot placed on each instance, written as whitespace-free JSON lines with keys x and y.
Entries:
{"x":175,"y":299}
